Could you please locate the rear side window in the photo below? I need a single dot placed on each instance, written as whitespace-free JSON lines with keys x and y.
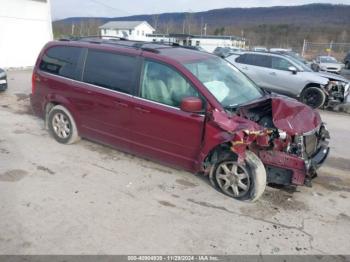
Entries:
{"x":111,"y":71}
{"x":62,"y":61}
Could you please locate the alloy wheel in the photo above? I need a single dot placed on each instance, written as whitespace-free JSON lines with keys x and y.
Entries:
{"x":233,"y":179}
{"x":61,"y":125}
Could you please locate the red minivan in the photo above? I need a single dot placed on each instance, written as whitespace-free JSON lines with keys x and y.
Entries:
{"x":184,"y":108}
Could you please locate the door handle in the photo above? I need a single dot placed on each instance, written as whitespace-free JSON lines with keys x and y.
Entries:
{"x":141,"y":110}
{"x":245,"y":68}
{"x":120,"y":104}
{"x":273,"y":73}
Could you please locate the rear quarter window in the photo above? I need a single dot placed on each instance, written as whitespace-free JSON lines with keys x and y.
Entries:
{"x":63,"y":61}
{"x":112,"y":71}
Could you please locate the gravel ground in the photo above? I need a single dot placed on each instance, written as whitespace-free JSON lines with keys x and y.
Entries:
{"x":90,"y":199}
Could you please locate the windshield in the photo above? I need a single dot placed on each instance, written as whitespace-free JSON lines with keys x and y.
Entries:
{"x":229,"y":86}
{"x":300,"y":64}
{"x":328,"y":59}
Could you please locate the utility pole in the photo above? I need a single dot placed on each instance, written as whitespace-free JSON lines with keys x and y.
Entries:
{"x":304,"y":48}
{"x":73,"y":25}
{"x":330,"y":48}
{"x":205,"y":29}
{"x":201,"y":26}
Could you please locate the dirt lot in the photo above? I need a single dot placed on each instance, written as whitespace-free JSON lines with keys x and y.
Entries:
{"x":90,"y":199}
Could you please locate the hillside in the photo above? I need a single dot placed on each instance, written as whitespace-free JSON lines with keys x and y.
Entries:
{"x":319,"y":22}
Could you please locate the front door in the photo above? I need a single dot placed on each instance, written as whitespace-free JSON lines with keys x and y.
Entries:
{"x":281,"y":79}
{"x":161,"y":130}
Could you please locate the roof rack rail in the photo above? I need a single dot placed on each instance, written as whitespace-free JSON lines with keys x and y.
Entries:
{"x":113,"y":40}
{"x":77,"y":38}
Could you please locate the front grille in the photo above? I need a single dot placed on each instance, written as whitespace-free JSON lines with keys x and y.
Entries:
{"x":310,"y":143}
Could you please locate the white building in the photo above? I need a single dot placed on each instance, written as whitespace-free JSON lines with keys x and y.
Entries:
{"x":208,"y":42}
{"x":25,"y":27}
{"x":132,"y":30}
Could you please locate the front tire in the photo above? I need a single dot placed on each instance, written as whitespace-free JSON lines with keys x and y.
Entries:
{"x":313,"y":97}
{"x":246,"y":181}
{"x":62,"y":125}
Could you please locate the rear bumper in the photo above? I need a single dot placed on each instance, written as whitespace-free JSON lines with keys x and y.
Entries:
{"x":36,"y":107}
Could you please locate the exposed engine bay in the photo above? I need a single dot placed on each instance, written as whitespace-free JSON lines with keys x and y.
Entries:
{"x":292,"y":141}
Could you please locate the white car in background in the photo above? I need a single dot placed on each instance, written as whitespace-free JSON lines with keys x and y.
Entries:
{"x":260,"y":49}
{"x":327,"y":64}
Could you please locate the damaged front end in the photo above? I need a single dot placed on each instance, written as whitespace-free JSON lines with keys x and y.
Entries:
{"x":288,"y":137}
{"x":337,"y":92}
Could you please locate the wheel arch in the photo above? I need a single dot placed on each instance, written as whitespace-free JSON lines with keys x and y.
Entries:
{"x":218,"y":151}
{"x":312,"y":84}
{"x":55,"y":100}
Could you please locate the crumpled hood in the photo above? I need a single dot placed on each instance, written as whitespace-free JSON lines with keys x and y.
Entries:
{"x":288,"y":115}
{"x":294,"y":117}
{"x":331,"y":76}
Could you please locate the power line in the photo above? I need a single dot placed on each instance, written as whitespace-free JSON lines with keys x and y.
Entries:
{"x":24,"y":18}
{"x":110,"y":7}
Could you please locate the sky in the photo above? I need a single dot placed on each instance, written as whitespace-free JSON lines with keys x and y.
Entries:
{"x":118,"y":8}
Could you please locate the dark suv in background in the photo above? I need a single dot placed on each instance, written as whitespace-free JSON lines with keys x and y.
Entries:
{"x":3,"y":80}
{"x":188,"y":109}
{"x":347,"y":61}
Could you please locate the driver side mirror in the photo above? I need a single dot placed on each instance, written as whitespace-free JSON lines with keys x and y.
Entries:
{"x":293,"y":69}
{"x":191,"y":105}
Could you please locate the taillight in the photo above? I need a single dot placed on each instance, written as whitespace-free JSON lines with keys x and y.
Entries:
{"x":34,"y":79}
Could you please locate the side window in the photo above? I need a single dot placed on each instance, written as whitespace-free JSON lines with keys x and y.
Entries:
{"x":112,"y":71}
{"x":258,"y":60}
{"x":164,"y":85}
{"x":241,"y":59}
{"x":62,"y":61}
{"x":280,"y":63}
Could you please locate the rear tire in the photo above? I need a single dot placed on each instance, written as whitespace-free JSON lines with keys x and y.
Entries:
{"x":313,"y":97}
{"x":245,"y":181}
{"x":62,"y":125}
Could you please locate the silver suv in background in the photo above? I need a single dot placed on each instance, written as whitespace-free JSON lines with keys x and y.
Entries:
{"x":286,"y":75}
